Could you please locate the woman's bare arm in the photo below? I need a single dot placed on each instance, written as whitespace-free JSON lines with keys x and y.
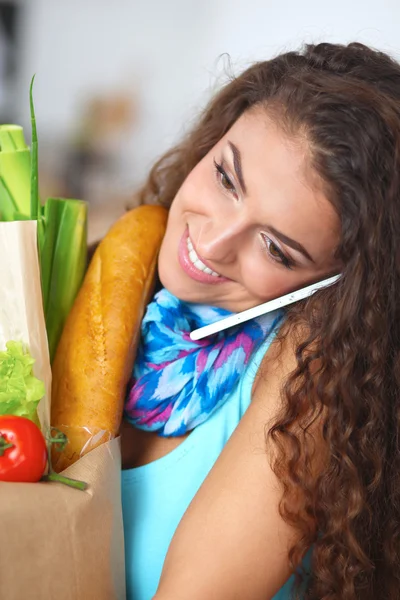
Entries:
{"x":232,"y":543}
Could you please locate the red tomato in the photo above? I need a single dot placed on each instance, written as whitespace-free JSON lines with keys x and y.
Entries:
{"x":23,"y":452}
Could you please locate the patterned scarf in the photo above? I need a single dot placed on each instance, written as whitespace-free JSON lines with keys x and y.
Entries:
{"x":178,"y":383}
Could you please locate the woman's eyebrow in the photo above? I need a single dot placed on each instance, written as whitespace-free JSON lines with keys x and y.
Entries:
{"x":237,"y":165}
{"x":292,"y":243}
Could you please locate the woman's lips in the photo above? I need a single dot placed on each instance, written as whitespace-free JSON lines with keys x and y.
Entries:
{"x":190,"y":269}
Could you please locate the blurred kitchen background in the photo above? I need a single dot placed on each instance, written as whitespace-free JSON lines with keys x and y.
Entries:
{"x":119,"y":81}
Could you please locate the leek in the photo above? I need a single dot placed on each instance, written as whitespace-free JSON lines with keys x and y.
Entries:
{"x":34,"y":195}
{"x":62,"y":242}
{"x":15,"y":167}
{"x":61,"y":224}
{"x":63,"y":262}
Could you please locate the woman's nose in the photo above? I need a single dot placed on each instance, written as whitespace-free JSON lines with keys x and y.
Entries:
{"x":220,"y":242}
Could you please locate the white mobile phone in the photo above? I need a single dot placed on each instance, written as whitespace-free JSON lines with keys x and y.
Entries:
{"x":261,"y":309}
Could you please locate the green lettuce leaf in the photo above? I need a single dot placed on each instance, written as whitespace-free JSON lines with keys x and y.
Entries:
{"x":20,"y":390}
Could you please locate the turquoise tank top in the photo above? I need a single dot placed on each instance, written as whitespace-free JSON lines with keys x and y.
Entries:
{"x":155,"y":496}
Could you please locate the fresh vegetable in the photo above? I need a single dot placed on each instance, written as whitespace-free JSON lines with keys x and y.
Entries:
{"x":61,"y":238}
{"x":15,"y":166}
{"x":35,"y":211}
{"x":61,"y":225}
{"x":20,"y":390}
{"x":62,"y":244}
{"x":23,"y":451}
{"x":63,"y":255}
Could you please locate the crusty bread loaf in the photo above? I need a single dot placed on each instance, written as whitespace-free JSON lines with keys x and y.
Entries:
{"x":95,"y":356}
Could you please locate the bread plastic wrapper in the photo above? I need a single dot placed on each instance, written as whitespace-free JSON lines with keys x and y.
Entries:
{"x":94,"y":358}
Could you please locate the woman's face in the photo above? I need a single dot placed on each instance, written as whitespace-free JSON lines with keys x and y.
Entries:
{"x":250,"y":222}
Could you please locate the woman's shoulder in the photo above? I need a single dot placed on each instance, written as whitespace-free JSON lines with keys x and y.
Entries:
{"x":237,"y":507}
{"x":279,"y":359}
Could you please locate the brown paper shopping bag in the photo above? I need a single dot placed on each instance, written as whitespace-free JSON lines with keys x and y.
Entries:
{"x":57,"y":542}
{"x":62,"y":543}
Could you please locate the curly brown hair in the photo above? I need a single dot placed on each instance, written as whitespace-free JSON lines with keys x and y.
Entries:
{"x":346,"y":101}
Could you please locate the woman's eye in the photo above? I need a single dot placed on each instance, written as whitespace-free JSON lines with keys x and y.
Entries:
{"x":224,"y":179}
{"x":226,"y":182}
{"x":276,"y":253}
{"x":274,"y":250}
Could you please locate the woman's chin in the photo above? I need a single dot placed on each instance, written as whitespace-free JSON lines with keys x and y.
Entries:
{"x":170,"y":281}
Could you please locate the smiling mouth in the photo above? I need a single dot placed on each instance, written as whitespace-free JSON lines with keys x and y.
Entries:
{"x":197,"y":262}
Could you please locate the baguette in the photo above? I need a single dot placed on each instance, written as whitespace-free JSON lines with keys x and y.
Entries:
{"x":96,"y":352}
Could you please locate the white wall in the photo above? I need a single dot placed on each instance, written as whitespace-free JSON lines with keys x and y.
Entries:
{"x":168,"y":51}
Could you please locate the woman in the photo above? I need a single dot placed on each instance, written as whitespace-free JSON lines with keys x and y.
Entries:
{"x":291,"y":175}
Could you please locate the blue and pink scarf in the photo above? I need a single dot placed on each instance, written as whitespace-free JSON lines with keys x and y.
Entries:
{"x":178,"y":383}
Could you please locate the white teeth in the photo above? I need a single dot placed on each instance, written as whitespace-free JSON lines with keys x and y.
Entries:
{"x":199,"y":265}
{"x":194,"y":259}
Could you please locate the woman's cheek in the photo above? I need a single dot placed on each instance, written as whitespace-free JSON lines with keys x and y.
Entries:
{"x":265,"y":282}
{"x":199,"y":190}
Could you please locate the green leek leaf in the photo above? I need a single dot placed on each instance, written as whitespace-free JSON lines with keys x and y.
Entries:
{"x":15,"y":166}
{"x":63,"y":262}
{"x":62,"y":243}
